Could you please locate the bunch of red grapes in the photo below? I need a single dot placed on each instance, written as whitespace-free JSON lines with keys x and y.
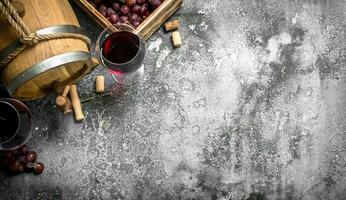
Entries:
{"x":20,"y":160}
{"x":125,"y":11}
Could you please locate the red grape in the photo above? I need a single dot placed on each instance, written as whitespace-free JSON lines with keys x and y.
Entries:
{"x":103,"y":13}
{"x":134,"y":17}
{"x":102,"y":8}
{"x":116,"y":6}
{"x":24,"y":149}
{"x":155,"y":3}
{"x":144,"y":11}
{"x":31,"y":156}
{"x":124,"y":19}
{"x":136,"y":9}
{"x":113,"y":18}
{"x":140,"y":2}
{"x":22,"y":159}
{"x":17,"y":167}
{"x":135,"y":24}
{"x":125,"y":9}
{"x":97,"y":1}
{"x":38,"y":168}
{"x":110,"y":11}
{"x":146,"y":5}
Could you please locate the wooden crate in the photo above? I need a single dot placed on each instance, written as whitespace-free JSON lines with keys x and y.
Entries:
{"x":148,"y":26}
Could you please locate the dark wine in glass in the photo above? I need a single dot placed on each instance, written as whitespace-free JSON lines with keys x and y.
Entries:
{"x":121,"y":50}
{"x":15,"y":124}
{"x":9,"y":122}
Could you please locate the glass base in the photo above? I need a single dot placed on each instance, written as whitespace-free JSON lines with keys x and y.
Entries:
{"x":130,"y":79}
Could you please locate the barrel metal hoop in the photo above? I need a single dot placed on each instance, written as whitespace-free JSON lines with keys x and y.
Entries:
{"x":44,"y":66}
{"x":66,"y":28}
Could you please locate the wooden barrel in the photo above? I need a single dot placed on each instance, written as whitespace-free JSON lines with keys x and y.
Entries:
{"x":30,"y":75}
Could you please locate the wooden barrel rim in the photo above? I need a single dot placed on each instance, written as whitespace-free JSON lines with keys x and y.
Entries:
{"x":67,"y":28}
{"x":48,"y":64}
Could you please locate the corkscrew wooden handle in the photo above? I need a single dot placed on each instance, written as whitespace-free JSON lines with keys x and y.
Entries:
{"x":76,"y":105}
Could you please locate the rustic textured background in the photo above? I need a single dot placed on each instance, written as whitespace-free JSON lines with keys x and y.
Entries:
{"x":254,"y":101}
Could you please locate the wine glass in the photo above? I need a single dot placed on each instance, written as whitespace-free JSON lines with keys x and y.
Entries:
{"x":121,"y":50}
{"x":15,"y":124}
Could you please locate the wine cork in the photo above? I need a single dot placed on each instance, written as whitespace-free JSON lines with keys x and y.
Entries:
{"x":61,"y":100}
{"x":100,"y":84}
{"x":76,"y":105}
{"x":176,"y":39}
{"x":172,"y":25}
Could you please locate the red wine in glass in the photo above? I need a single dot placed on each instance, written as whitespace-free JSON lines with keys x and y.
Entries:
{"x":9,"y":122}
{"x":122,"y":52}
{"x":15,"y":124}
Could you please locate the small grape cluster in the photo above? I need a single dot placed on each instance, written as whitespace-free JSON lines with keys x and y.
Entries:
{"x":20,"y":160}
{"x":125,"y":11}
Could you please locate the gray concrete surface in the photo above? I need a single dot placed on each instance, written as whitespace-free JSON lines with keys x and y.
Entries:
{"x":254,"y":101}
